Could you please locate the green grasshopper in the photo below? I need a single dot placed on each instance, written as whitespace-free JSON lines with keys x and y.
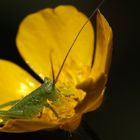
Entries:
{"x":31,"y":105}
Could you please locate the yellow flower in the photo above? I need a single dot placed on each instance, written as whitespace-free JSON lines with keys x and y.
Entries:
{"x":53,"y":30}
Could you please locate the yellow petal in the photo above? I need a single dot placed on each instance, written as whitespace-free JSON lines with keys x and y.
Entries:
{"x":103,"y":51}
{"x":15,"y":83}
{"x":94,"y":85}
{"x":20,"y":126}
{"x":53,"y":31}
{"x":94,"y":96}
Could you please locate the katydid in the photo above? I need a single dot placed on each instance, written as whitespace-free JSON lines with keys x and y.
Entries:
{"x":32,"y":105}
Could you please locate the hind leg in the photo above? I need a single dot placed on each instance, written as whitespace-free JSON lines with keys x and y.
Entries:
{"x":12,"y":114}
{"x":49,"y":106}
{"x":6,"y":115}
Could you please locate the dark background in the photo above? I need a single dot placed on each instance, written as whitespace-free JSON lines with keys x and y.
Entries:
{"x":119,"y":116}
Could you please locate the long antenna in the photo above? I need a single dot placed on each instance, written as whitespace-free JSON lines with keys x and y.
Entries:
{"x":89,"y":18}
{"x":52,"y":68}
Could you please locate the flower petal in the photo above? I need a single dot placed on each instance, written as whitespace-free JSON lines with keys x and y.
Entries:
{"x":94,"y":96}
{"x":20,"y":126}
{"x":103,"y":51}
{"x":53,"y":31}
{"x":15,"y":82}
{"x":94,"y":86}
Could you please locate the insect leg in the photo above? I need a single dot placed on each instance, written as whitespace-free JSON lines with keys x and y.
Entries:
{"x":40,"y":115}
{"x":6,"y":115}
{"x":10,"y":103}
{"x":12,"y":114}
{"x":49,"y":106}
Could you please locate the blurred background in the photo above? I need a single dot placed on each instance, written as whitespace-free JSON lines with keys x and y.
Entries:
{"x":119,"y":116}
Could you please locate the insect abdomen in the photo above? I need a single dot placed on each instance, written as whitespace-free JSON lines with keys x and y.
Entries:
{"x":32,"y":104}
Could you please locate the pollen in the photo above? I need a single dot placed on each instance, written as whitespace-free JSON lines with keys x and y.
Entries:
{"x":68,"y":99}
